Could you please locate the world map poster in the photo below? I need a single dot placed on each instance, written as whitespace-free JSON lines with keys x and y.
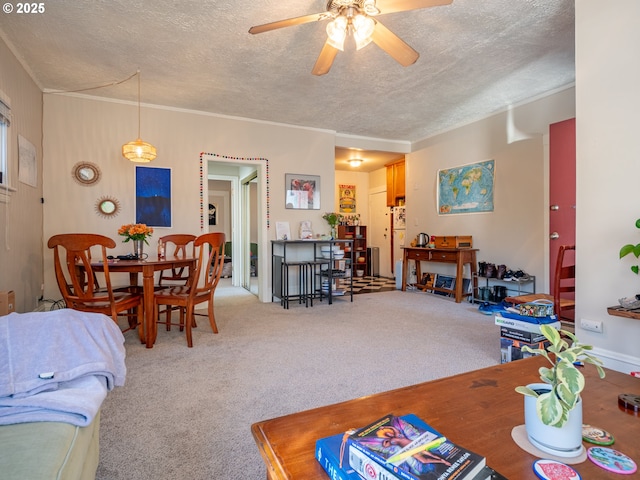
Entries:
{"x":466,"y":189}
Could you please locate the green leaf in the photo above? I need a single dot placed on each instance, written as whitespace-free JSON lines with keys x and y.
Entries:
{"x":635,"y":269}
{"x":550,"y":333}
{"x":526,"y":391}
{"x":570,"y":376}
{"x":626,"y":250}
{"x":638,"y":223}
{"x":549,"y":408}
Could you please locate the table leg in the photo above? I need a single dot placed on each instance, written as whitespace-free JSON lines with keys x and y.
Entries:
{"x":459,"y":281}
{"x":474,"y":272}
{"x":405,"y":265}
{"x":147,"y":291}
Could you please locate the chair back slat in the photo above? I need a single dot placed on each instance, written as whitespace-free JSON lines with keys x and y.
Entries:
{"x":210,"y":261}
{"x":182,"y":245}
{"x":564,"y":282}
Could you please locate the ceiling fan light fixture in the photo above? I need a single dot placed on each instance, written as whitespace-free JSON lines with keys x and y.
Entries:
{"x":363,"y":27}
{"x":139,"y":151}
{"x":337,"y":32}
{"x":355,"y":162}
{"x":370,"y":7}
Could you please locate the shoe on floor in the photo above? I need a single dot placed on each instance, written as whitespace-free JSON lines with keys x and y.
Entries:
{"x":521,"y":276}
{"x":487,"y":308}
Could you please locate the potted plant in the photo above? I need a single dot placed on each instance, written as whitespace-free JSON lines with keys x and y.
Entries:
{"x":632,"y":302}
{"x":333,"y":219}
{"x":553,"y":408}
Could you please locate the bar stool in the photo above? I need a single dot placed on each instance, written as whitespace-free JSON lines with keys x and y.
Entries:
{"x":315,"y":275}
{"x":302,"y":270}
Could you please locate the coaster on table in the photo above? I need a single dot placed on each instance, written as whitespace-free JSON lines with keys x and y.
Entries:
{"x":519,"y":435}
{"x":612,"y":460}
{"x":547,"y":469}
{"x":596,"y":435}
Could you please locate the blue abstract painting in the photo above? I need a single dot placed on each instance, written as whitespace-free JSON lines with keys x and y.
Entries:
{"x":153,"y":196}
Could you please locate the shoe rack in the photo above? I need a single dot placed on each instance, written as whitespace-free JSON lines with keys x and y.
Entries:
{"x":512,"y":287}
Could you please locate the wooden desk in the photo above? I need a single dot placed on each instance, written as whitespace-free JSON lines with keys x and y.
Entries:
{"x":459,"y":256}
{"x":477,"y":410}
{"x":148,"y":267}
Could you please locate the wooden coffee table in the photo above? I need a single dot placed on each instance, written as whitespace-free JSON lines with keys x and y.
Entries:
{"x":478,"y":410}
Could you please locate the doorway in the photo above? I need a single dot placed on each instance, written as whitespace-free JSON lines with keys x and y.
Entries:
{"x":249,"y":227}
{"x":380,"y":221}
{"x":245,"y":214}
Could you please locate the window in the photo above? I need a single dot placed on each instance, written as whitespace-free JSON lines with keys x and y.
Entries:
{"x":5,"y":121}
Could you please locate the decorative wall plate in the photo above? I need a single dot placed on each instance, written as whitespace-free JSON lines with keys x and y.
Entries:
{"x":107,"y":207}
{"x":86,"y":173}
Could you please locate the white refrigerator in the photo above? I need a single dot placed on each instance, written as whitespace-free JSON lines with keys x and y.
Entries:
{"x":399,"y":229}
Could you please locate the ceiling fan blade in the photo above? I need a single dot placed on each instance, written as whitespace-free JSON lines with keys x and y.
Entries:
{"x":394,"y":45}
{"x":325,"y":59}
{"x":392,"y":6}
{"x":289,"y":22}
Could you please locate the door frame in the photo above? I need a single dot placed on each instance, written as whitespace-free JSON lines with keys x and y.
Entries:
{"x":244,"y":168}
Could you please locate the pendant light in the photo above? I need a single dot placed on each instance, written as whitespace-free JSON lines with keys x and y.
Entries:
{"x":139,"y":151}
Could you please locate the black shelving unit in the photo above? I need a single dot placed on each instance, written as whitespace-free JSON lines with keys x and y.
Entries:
{"x":513,"y":287}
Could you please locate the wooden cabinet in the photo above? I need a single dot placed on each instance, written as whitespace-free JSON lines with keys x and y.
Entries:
{"x":395,"y":183}
{"x":357,"y":233}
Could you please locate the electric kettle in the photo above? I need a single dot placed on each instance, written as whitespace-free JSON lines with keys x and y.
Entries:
{"x":422,"y":240}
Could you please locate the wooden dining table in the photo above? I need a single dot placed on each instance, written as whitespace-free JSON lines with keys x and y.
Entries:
{"x":147,"y":267}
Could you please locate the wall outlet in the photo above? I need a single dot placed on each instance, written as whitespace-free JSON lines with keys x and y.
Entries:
{"x":591,"y":325}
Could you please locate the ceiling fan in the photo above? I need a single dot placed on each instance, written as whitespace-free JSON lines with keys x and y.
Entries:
{"x":354,"y":17}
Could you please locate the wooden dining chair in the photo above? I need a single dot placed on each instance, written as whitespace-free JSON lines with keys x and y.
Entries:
{"x":210,"y":255}
{"x":564,"y":286}
{"x":176,"y":245}
{"x":77,"y":280}
{"x":563,"y":296}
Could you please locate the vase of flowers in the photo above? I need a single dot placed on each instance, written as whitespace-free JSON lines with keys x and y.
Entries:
{"x":138,"y":233}
{"x":333,"y":219}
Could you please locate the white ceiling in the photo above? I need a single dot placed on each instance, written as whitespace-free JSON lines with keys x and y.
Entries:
{"x":477,"y":57}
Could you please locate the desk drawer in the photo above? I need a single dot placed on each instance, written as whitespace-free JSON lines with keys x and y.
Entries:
{"x":448,"y":257}
{"x":423,"y":255}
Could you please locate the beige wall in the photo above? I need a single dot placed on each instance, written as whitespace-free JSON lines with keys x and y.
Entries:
{"x":513,"y":234}
{"x":83,"y":128}
{"x":21,"y":210}
{"x":608,"y":172}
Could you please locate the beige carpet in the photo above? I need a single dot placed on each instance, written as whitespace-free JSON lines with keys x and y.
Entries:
{"x":186,"y":413}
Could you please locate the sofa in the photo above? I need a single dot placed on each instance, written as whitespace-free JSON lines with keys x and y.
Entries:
{"x":59,"y":367}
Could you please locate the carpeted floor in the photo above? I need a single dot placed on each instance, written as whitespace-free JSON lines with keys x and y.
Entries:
{"x":187,"y":412}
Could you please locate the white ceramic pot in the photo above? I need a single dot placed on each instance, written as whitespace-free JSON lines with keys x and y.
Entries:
{"x":565,"y":441}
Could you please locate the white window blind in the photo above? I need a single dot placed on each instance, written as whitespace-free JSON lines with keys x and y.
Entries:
{"x":5,"y":121}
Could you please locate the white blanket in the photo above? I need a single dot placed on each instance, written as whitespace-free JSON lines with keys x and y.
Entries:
{"x":58,"y":364}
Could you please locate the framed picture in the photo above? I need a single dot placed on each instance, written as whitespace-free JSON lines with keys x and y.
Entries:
{"x":153,"y":196}
{"x":213,"y":214}
{"x":466,"y":189}
{"x":302,"y":192}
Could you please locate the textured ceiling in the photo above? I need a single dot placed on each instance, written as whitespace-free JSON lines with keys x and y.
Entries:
{"x":476,"y":57}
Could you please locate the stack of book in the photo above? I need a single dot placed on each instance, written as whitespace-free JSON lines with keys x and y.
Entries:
{"x":399,"y":448}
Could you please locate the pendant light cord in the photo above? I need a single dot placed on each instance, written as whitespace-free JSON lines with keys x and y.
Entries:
{"x":138,"y":74}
